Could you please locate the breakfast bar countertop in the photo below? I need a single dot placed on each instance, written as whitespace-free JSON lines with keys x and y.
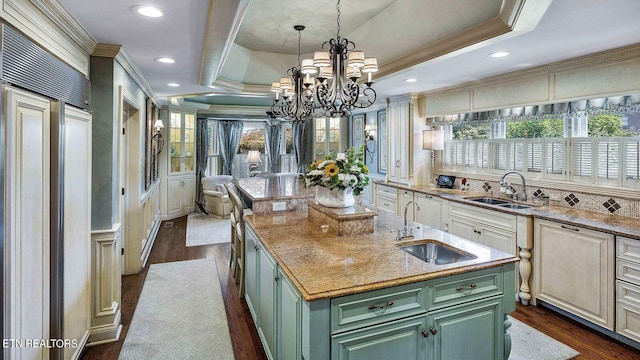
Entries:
{"x":324,"y":265}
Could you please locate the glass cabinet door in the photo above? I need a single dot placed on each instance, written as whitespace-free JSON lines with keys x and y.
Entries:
{"x":182,"y":149}
{"x":328,"y":137}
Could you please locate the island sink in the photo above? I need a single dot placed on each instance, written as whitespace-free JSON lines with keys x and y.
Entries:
{"x":433,"y":252}
{"x":489,"y":201}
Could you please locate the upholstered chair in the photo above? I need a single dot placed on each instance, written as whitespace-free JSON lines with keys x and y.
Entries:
{"x":216,"y":198}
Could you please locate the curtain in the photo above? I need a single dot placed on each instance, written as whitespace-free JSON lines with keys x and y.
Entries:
{"x":229,"y":133}
{"x":299,"y":145}
{"x":272,"y":138}
{"x":201,"y":160}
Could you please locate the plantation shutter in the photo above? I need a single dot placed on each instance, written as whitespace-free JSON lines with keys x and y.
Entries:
{"x":469,"y":155}
{"x":516,"y":154}
{"x":632,"y":161}
{"x":534,"y":156}
{"x":608,"y":161}
{"x":500,"y":155}
{"x":446,"y":156}
{"x":456,"y":152}
{"x":483,"y":154}
{"x":581,"y":159}
{"x":555,"y":158}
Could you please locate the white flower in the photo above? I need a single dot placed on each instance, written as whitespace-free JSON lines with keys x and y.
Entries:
{"x":322,"y":164}
{"x":341,"y":177}
{"x":316,"y":172}
{"x":307,"y":182}
{"x":355,"y":168}
{"x":341,"y":156}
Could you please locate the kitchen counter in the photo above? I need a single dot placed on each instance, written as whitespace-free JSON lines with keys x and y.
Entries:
{"x":260,"y":193}
{"x":616,"y":225}
{"x":325,"y":265}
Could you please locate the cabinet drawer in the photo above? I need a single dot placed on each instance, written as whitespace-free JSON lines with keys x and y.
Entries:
{"x":629,"y":293}
{"x":628,"y":249}
{"x":628,"y":271}
{"x":387,"y":203}
{"x":493,"y":218}
{"x":628,"y":310}
{"x":374,"y":307}
{"x":455,"y":289}
{"x":388,"y":190}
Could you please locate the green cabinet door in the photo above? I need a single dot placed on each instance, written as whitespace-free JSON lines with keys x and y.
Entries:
{"x":251,"y":272}
{"x":289,"y":320}
{"x":397,"y":340}
{"x":267,"y":310}
{"x":469,"y":331}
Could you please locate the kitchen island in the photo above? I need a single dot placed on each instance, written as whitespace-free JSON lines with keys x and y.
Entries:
{"x":316,"y":295}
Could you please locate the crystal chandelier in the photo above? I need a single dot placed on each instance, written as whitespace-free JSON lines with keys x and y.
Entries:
{"x":339,"y":67}
{"x":296,"y":103}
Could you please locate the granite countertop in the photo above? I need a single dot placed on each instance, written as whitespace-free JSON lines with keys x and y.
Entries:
{"x":325,"y":265}
{"x":276,"y":187}
{"x":613,"y":224}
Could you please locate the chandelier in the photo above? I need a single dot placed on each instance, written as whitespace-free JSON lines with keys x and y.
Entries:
{"x":336,"y":92}
{"x":296,"y":103}
{"x":340,"y":67}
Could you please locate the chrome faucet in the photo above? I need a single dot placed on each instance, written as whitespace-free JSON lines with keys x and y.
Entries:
{"x":523,"y":192}
{"x":407,"y":232}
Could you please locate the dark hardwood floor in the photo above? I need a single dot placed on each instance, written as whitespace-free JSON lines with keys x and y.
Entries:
{"x":170,"y":246}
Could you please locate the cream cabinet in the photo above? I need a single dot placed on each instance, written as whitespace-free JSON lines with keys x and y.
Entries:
{"x":181,"y":192}
{"x":628,"y":287}
{"x":399,"y":137}
{"x":405,"y":196}
{"x":329,"y":137}
{"x":386,"y":198}
{"x":428,"y":210}
{"x":491,"y":228}
{"x":182,"y":142}
{"x":574,"y":270}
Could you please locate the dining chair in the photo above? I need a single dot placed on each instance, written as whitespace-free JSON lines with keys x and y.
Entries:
{"x":238,"y":213}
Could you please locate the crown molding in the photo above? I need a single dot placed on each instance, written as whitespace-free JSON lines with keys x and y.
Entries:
{"x":608,"y":57}
{"x":53,"y":10}
{"x":235,"y":110}
{"x":238,"y":87}
{"x":118,"y":53}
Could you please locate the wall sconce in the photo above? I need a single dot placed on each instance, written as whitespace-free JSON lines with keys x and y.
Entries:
{"x":433,"y":140}
{"x":369,"y":135}
{"x":158,"y":125}
{"x":253,"y":158}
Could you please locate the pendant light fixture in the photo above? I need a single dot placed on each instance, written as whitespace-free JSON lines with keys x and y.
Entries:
{"x":340,"y":67}
{"x":296,"y":102}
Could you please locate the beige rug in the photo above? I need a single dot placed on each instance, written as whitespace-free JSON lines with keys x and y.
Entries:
{"x":180,"y":315}
{"x":528,"y":343}
{"x":205,"y":229}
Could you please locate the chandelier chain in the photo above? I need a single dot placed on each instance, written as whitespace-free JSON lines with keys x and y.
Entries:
{"x":338,"y":19}
{"x":299,"y":37}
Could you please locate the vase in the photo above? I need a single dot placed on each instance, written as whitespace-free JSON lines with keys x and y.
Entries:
{"x":335,"y":198}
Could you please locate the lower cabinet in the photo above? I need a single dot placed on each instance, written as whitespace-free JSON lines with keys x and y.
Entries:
{"x":585,"y":261}
{"x":181,"y":194}
{"x":274,"y":303}
{"x":428,"y":210}
{"x":628,"y":287}
{"x":455,"y":317}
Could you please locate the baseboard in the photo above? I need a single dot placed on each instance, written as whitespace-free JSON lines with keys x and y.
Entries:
{"x":106,"y":333}
{"x":150,"y":241}
{"x":81,"y":345}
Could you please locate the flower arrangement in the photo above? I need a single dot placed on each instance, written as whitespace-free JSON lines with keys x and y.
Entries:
{"x":339,"y":171}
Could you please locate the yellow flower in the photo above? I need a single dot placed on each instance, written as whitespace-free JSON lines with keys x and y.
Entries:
{"x":331,"y":169}
{"x":365,"y":169}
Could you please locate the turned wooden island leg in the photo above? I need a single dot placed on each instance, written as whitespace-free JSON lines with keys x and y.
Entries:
{"x":525,"y":274}
{"x":507,"y":336}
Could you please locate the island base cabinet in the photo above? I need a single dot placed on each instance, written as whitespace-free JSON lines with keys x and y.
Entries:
{"x":289,"y":324}
{"x":471,"y":331}
{"x":267,"y":310}
{"x":398,"y":340}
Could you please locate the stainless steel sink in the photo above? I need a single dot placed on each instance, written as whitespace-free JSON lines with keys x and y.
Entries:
{"x":489,"y":201}
{"x":514,"y":206}
{"x":435,"y":253}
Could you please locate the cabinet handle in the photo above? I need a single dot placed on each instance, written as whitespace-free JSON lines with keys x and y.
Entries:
{"x":569,"y":228}
{"x":277,"y":278}
{"x":434,"y":330}
{"x":388,"y":304}
{"x":256,"y":247}
{"x":385,"y":204}
{"x":470,"y":287}
{"x":425,"y":333}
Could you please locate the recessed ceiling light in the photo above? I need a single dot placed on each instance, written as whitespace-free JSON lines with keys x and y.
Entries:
{"x":149,"y":11}
{"x":173,"y":84}
{"x":165,"y":60}
{"x":410,"y":80}
{"x":499,"y":54}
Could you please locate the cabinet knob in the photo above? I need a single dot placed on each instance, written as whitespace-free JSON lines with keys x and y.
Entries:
{"x":277,"y":278}
{"x":256,"y":247}
{"x":425,"y":333}
{"x":434,"y":330}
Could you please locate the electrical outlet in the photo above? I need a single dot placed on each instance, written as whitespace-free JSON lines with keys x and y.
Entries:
{"x":279,"y":206}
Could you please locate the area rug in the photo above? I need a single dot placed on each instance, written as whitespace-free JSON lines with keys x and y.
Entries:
{"x":180,"y":315}
{"x":205,"y":229}
{"x":528,"y":343}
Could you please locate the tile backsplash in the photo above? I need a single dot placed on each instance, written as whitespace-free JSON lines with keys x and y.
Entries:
{"x":605,"y":204}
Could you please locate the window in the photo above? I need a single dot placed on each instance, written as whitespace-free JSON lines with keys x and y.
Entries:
{"x":589,"y":148}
